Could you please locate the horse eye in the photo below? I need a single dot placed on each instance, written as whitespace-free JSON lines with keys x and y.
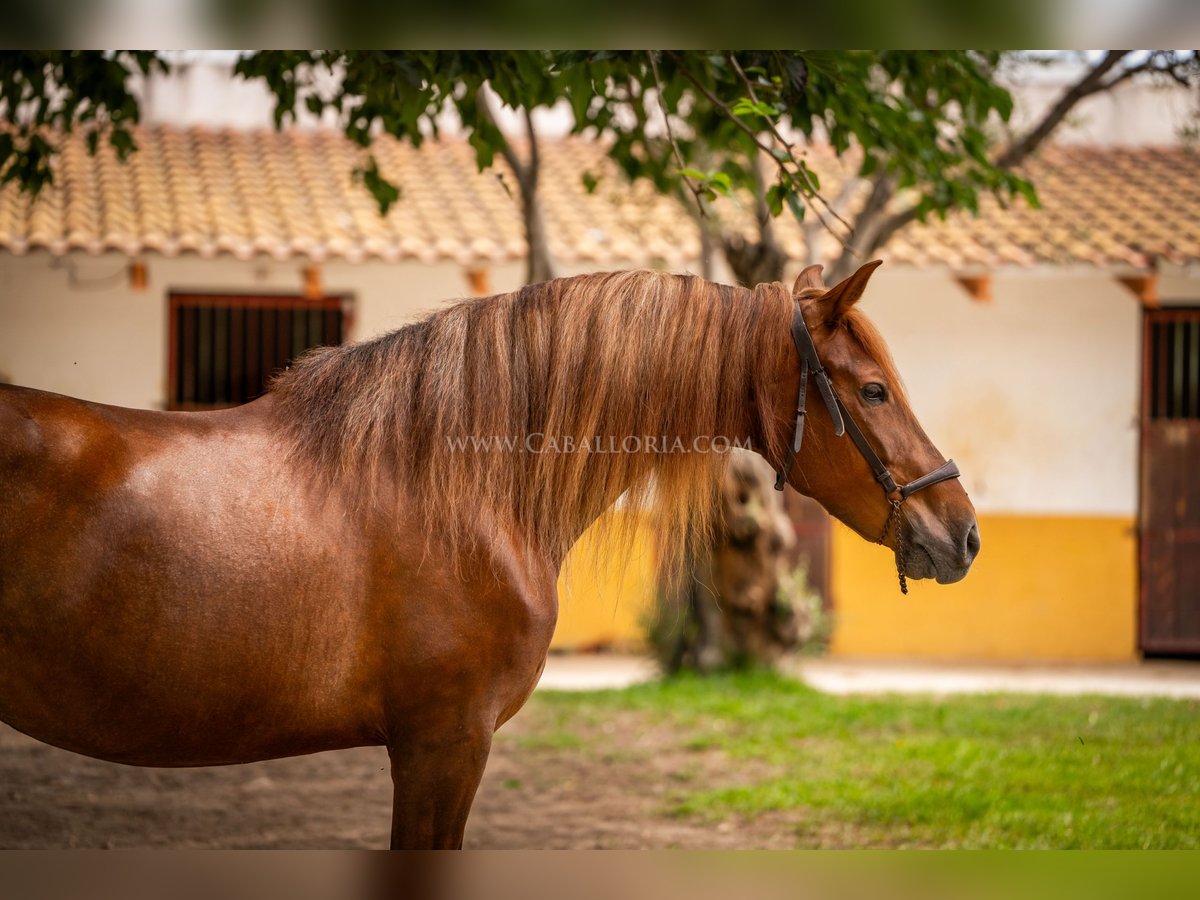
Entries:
{"x":874,"y":393}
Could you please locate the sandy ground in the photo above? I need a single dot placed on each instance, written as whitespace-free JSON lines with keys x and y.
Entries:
{"x":614,"y":792}
{"x":612,"y":788}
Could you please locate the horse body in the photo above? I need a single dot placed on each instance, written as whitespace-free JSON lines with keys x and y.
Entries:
{"x":281,"y":578}
{"x":174,"y":592}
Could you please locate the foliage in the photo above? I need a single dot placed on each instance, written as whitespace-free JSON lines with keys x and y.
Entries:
{"x":998,"y":771}
{"x":920,"y":116}
{"x":403,"y":94}
{"x":65,"y":89}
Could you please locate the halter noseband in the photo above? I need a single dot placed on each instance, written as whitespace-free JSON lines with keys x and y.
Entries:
{"x":843,"y":423}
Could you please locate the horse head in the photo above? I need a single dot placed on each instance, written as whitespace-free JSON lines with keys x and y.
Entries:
{"x":908,"y":497}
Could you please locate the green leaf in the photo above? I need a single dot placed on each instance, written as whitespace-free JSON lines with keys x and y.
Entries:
{"x":775,"y":197}
{"x":384,"y":192}
{"x":812,"y":180}
{"x":719,"y":182}
{"x":485,"y":145}
{"x":743,"y":107}
{"x":1027,"y":190}
{"x":121,"y":141}
{"x":797,"y":208}
{"x":580,"y":92}
{"x":747,"y":107}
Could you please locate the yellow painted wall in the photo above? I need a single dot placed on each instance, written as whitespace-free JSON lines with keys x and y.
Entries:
{"x":604,"y":600}
{"x":1043,"y":588}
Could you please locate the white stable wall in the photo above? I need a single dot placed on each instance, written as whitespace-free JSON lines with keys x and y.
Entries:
{"x":92,"y":336}
{"x":1034,"y":394}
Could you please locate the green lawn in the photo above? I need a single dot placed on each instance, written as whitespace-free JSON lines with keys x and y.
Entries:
{"x":980,"y":772}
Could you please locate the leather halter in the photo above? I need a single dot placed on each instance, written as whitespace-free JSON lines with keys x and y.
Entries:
{"x":843,"y":423}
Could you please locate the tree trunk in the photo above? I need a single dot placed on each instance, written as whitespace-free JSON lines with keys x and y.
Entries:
{"x":539,"y":265}
{"x":708,"y":250}
{"x":754,"y":262}
{"x":735,"y":606}
{"x":760,"y":260}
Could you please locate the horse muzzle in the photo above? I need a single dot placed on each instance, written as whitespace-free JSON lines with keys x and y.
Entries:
{"x":944,"y":553}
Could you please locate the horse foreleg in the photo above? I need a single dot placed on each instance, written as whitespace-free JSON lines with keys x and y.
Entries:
{"x":434,"y":784}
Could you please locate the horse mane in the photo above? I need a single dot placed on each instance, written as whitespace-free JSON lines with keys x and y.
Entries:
{"x":606,"y":355}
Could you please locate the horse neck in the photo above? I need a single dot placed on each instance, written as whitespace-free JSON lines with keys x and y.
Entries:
{"x":664,"y":424}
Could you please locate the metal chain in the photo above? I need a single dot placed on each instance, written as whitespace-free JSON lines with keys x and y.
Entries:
{"x":895,"y":519}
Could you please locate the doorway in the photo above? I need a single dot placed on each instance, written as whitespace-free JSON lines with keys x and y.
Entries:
{"x":1169,"y":516}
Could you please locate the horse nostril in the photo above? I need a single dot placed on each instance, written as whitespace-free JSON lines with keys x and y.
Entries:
{"x":972,"y":544}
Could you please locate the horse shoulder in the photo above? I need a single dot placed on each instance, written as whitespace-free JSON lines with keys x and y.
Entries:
{"x":454,"y":613}
{"x":524,"y":607}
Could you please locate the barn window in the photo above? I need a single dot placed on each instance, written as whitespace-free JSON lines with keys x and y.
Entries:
{"x":1174,"y":365}
{"x":224,"y":348}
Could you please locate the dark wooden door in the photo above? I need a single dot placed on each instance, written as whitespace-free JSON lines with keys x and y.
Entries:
{"x":1170,"y":483}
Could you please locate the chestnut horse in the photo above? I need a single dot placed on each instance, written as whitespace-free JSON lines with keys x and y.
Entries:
{"x":352,"y":560}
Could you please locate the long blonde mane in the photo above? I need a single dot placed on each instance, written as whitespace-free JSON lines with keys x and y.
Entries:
{"x":605,"y":356}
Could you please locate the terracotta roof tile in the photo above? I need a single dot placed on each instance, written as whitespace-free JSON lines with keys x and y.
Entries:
{"x":293,"y":193}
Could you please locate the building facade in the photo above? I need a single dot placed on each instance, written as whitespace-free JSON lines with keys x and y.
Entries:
{"x":1027,"y":339}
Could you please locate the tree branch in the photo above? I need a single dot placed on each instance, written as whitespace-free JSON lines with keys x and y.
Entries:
{"x":716,"y":101}
{"x":535,"y":159}
{"x":662,"y":105}
{"x":812,"y":230}
{"x":1090,"y":83}
{"x":874,"y":231}
{"x":788,"y":146}
{"x":867,"y":224}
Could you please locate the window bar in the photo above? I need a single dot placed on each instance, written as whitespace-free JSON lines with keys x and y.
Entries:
{"x":1177,"y":363}
{"x":237,"y":334}
{"x":1194,"y":370}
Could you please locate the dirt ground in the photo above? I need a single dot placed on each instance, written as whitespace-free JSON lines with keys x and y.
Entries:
{"x":611,"y":788}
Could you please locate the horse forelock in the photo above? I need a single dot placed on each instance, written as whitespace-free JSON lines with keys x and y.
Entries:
{"x":451,"y":416}
{"x":871,"y":341}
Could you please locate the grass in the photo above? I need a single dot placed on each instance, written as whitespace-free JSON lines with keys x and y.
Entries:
{"x":996,"y":771}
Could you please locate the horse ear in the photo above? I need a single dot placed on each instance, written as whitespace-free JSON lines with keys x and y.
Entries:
{"x":809,"y":278}
{"x":845,"y":294}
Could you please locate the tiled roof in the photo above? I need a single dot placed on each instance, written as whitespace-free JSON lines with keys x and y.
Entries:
{"x":290,"y":193}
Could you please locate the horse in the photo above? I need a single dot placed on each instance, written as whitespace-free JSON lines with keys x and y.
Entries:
{"x":346,"y":561}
